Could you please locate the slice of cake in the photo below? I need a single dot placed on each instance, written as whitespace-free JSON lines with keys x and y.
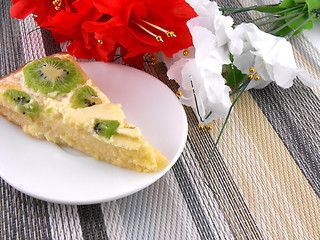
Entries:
{"x":53,"y":99}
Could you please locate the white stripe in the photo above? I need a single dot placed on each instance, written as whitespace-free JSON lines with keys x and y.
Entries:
{"x":262,"y":187}
{"x":32,"y":42}
{"x":64,"y":222}
{"x":207,"y":197}
{"x":113,"y":220}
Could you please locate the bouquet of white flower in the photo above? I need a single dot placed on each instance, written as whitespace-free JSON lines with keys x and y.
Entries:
{"x":241,"y":56}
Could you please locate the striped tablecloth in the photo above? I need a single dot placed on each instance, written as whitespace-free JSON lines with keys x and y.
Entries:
{"x":266,"y":171}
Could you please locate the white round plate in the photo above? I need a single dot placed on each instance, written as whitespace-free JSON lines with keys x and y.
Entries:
{"x":57,"y":174}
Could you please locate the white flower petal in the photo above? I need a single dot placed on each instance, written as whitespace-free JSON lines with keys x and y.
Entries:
{"x":271,"y":56}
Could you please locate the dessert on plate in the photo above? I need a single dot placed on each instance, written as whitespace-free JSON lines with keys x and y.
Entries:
{"x":52,"y":98}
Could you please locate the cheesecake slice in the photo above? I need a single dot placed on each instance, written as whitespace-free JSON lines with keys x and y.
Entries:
{"x":53,"y":99}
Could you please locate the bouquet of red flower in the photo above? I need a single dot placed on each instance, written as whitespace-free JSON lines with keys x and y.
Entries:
{"x":97,"y":28}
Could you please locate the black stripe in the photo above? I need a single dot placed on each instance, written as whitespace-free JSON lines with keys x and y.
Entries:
{"x":92,"y":222}
{"x":24,"y":217}
{"x":294,"y":113}
{"x":50,"y":45}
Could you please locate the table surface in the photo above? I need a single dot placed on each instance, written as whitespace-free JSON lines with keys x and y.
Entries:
{"x":266,"y":171}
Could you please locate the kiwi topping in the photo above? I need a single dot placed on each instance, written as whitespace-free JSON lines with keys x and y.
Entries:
{"x":52,"y":74}
{"x":106,"y":128}
{"x":23,"y":101}
{"x":84,"y":97}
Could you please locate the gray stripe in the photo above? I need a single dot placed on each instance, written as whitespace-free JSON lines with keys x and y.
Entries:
{"x":230,"y":199}
{"x":22,"y":217}
{"x":192,"y":199}
{"x":221,"y":181}
{"x":10,"y":46}
{"x":294,"y":114}
{"x":91,"y":221}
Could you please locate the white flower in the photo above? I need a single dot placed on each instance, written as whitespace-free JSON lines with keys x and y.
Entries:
{"x":271,"y":56}
{"x":211,"y":18}
{"x":199,"y":74}
{"x":212,"y":95}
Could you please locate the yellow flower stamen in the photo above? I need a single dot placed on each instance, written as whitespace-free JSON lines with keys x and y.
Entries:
{"x":168,"y":33}
{"x":56,"y":4}
{"x":157,"y":37}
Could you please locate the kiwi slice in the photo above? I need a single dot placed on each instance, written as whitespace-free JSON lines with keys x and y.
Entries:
{"x":23,"y":101}
{"x":84,"y":97}
{"x":106,"y":128}
{"x":52,"y":74}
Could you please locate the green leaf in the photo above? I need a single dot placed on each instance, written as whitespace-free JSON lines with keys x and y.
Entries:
{"x":287,"y":4}
{"x":234,"y":76}
{"x":313,"y":5}
{"x":269,"y":9}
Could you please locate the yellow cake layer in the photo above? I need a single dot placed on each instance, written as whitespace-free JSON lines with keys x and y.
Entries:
{"x":60,"y":123}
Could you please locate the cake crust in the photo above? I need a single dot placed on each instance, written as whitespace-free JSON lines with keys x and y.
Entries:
{"x":61,"y":123}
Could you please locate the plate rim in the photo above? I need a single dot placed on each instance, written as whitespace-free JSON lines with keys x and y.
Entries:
{"x":155,"y":176}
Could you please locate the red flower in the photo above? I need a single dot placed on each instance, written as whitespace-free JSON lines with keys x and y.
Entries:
{"x":96,"y":28}
{"x":43,"y":10}
{"x":135,"y":24}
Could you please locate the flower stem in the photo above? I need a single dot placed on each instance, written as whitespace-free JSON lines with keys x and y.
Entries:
{"x":296,"y":29}
{"x":244,"y":86}
{"x":239,"y":10}
{"x":287,"y":24}
{"x":196,"y":102}
{"x":280,"y":18}
{"x":238,"y":89}
{"x":277,"y":13}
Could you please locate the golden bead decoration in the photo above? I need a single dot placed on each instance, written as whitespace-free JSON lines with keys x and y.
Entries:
{"x":100,"y":41}
{"x":201,"y":127}
{"x":178,"y":93}
{"x":153,"y":63}
{"x":170,"y":34}
{"x":153,"y":58}
{"x":257,"y":77}
{"x":56,"y":4}
{"x":250,"y":76}
{"x":209,"y":127}
{"x":185,"y":52}
{"x":252,"y":70}
{"x":159,"y":38}
{"x":150,"y":55}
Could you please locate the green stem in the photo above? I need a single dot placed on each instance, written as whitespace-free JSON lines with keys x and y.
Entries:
{"x":195,"y":98}
{"x":277,"y":13}
{"x":280,"y":18}
{"x":238,"y":9}
{"x":238,"y":89}
{"x":119,"y":56}
{"x":287,"y":24}
{"x":39,"y":28}
{"x":296,"y":29}
{"x":246,"y":83}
